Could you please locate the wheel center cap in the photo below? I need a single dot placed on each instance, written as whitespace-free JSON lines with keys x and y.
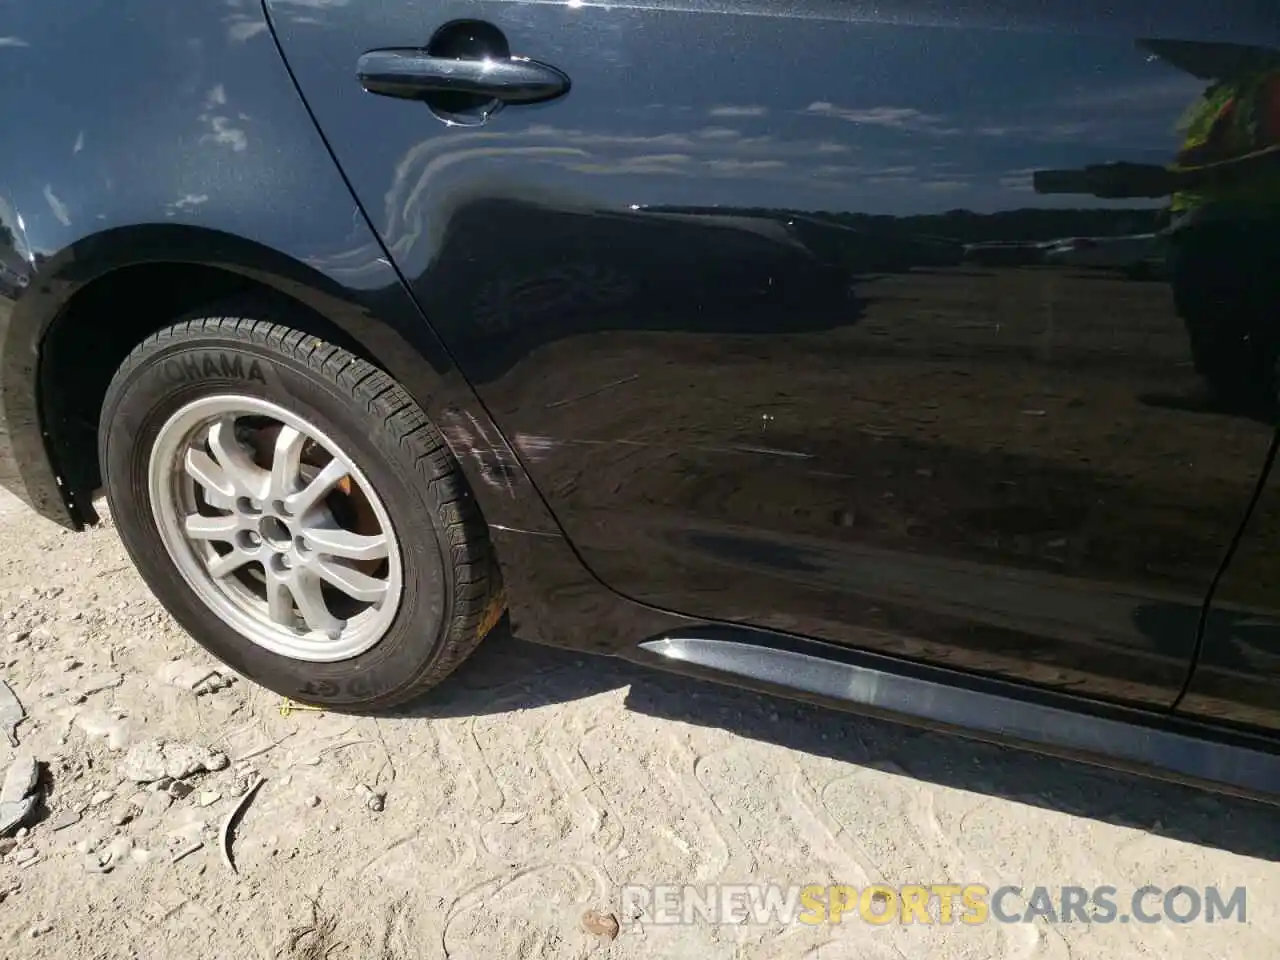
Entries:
{"x":275,"y":533}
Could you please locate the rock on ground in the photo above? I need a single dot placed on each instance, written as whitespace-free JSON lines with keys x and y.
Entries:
{"x":17,"y":794}
{"x":157,"y":759}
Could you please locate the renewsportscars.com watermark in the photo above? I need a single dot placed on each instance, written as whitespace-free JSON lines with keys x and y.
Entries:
{"x":941,"y":903}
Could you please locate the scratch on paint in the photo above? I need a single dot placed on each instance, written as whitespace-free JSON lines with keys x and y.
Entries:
{"x":536,"y":447}
{"x":592,"y":393}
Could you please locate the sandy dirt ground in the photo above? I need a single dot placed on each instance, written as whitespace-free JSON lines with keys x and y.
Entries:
{"x":490,"y":817}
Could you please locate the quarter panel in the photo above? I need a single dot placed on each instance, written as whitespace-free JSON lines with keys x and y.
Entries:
{"x":181,"y":120}
{"x":142,"y":132}
{"x":193,"y":147}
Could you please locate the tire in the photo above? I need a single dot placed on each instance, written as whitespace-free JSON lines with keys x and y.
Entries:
{"x":430,"y":551}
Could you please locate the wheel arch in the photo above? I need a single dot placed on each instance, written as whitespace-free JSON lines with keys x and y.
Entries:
{"x":92,"y":302}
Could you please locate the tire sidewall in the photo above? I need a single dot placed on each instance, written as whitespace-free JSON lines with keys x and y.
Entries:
{"x":155,"y":386}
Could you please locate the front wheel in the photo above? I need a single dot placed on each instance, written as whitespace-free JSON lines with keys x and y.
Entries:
{"x":296,"y":512}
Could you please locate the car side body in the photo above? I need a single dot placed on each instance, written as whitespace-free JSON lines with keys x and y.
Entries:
{"x":747,"y":342}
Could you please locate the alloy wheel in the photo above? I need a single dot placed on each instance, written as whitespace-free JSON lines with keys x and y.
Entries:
{"x":275,"y":528}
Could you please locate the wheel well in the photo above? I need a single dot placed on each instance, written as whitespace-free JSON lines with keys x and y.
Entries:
{"x":103,"y":322}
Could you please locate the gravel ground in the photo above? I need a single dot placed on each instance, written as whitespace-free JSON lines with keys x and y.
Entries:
{"x":492,"y":816}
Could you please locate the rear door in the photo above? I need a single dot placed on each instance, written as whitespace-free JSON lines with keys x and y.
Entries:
{"x":811,"y":316}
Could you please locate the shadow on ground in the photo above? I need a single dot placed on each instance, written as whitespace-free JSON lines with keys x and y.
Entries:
{"x":509,"y":674}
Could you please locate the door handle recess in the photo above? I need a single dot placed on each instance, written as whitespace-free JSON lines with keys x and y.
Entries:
{"x":414,"y":74}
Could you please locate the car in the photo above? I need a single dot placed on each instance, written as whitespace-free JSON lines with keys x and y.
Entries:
{"x":1005,"y":253}
{"x":648,"y":330}
{"x":1137,"y":257}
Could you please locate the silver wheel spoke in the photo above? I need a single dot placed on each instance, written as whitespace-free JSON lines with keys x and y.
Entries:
{"x":357,"y":585}
{"x":248,"y":479}
{"x":310,"y":600}
{"x":286,"y":477}
{"x":336,"y":542}
{"x":211,"y":478}
{"x":228,"y":564}
{"x":222,"y":529}
{"x":276,"y":529}
{"x":280,"y":600}
{"x":320,"y":485}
